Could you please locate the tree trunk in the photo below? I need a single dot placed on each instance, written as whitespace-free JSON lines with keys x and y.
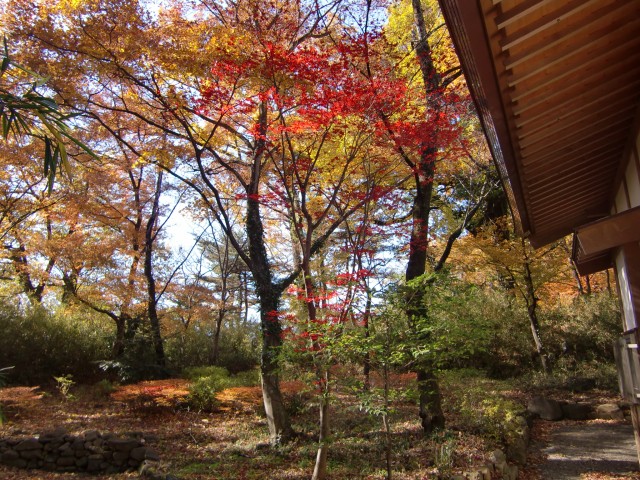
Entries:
{"x":118,"y":343}
{"x":430,"y":407}
{"x":430,"y":403}
{"x":320,"y":468}
{"x":215,"y":354}
{"x":366,"y":368}
{"x":152,"y":308}
{"x":277,"y":419}
{"x":532,"y":306}
{"x":268,"y":299}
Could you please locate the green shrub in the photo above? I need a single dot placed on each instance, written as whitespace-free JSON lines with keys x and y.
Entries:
{"x":239,"y":347}
{"x":41,"y":344}
{"x":213,"y":372}
{"x":64,"y":383}
{"x":202,"y":394}
{"x":478,"y":404}
{"x":206,"y":382}
{"x":104,"y":388}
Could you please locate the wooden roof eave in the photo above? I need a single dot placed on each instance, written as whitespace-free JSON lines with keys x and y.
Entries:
{"x":467,"y":28}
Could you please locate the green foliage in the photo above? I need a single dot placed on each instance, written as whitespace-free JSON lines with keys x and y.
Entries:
{"x":41,"y":345}
{"x":3,"y":372}
{"x":456,"y":324}
{"x":64,"y":383}
{"x":104,"y":388}
{"x":138,"y":361}
{"x":206,"y":382}
{"x":583,"y":330}
{"x":459,"y":324}
{"x":202,"y":394}
{"x":25,"y":112}
{"x":444,"y":451}
{"x":212,"y":372}
{"x":238,"y":352}
{"x":480,"y":404}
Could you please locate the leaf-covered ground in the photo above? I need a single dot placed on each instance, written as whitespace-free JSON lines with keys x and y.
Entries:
{"x":231,"y":443}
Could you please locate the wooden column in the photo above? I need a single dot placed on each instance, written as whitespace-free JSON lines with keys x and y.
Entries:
{"x":631,"y":255}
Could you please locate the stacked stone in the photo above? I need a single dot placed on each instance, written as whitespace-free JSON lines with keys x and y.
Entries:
{"x":91,"y":452}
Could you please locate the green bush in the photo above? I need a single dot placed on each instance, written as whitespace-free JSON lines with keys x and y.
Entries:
{"x":208,"y":381}
{"x":462,"y":324}
{"x":479,"y":404}
{"x":41,"y":344}
{"x":239,"y":348}
{"x":212,"y":372}
{"x":202,"y":394}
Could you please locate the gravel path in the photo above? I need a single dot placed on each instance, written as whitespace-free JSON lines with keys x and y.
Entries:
{"x":579,"y":448}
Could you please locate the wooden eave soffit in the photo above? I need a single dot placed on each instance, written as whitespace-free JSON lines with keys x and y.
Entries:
{"x":593,"y":242}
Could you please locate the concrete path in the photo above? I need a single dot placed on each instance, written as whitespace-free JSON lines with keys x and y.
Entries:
{"x":584,"y":447}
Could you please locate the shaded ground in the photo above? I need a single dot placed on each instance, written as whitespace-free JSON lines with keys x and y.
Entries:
{"x":231,"y":443}
{"x":584,"y":447}
{"x":589,"y":450}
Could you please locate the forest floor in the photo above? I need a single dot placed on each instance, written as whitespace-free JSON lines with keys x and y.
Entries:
{"x":232,"y":442}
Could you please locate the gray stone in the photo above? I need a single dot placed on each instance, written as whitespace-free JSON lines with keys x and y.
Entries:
{"x":487,"y":472}
{"x":94,"y":463}
{"x":31,"y":454}
{"x":123,"y":444}
{"x":517,"y":450}
{"x":77,"y":444}
{"x":56,"y":434}
{"x":81,"y":462}
{"x":498,"y":456}
{"x":545,"y":408}
{"x":28,"y":444}
{"x":576,"y":411}
{"x":151,"y":454}
{"x":81,"y":453}
{"x":609,"y":411}
{"x":138,"y":453}
{"x":91,"y":435}
{"x":66,"y":461}
{"x":120,"y":458}
{"x":66,"y":452}
{"x":9,"y":456}
{"x":510,"y":473}
{"x":19,"y":463}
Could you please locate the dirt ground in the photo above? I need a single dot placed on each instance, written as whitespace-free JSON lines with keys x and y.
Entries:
{"x":232,"y":442}
{"x":582,"y":450}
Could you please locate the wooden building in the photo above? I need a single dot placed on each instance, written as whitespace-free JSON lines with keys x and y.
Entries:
{"x":557,"y":87}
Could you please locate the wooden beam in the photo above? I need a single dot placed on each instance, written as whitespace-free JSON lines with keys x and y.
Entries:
{"x":555,"y":127}
{"x":560,"y":173}
{"x":607,"y":37}
{"x":610,"y":232}
{"x":613,"y":89}
{"x":603,"y":14}
{"x":580,"y":80}
{"x":593,"y":265}
{"x":575,"y":149}
{"x":567,"y":9}
{"x":576,"y":113}
{"x":521,"y":10}
{"x":618,"y":53}
{"x":542,"y":150}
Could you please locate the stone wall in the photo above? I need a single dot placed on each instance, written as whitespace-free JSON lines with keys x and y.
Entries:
{"x":90,"y":452}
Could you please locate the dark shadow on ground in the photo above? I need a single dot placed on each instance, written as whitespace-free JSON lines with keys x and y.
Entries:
{"x":589,"y":447}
